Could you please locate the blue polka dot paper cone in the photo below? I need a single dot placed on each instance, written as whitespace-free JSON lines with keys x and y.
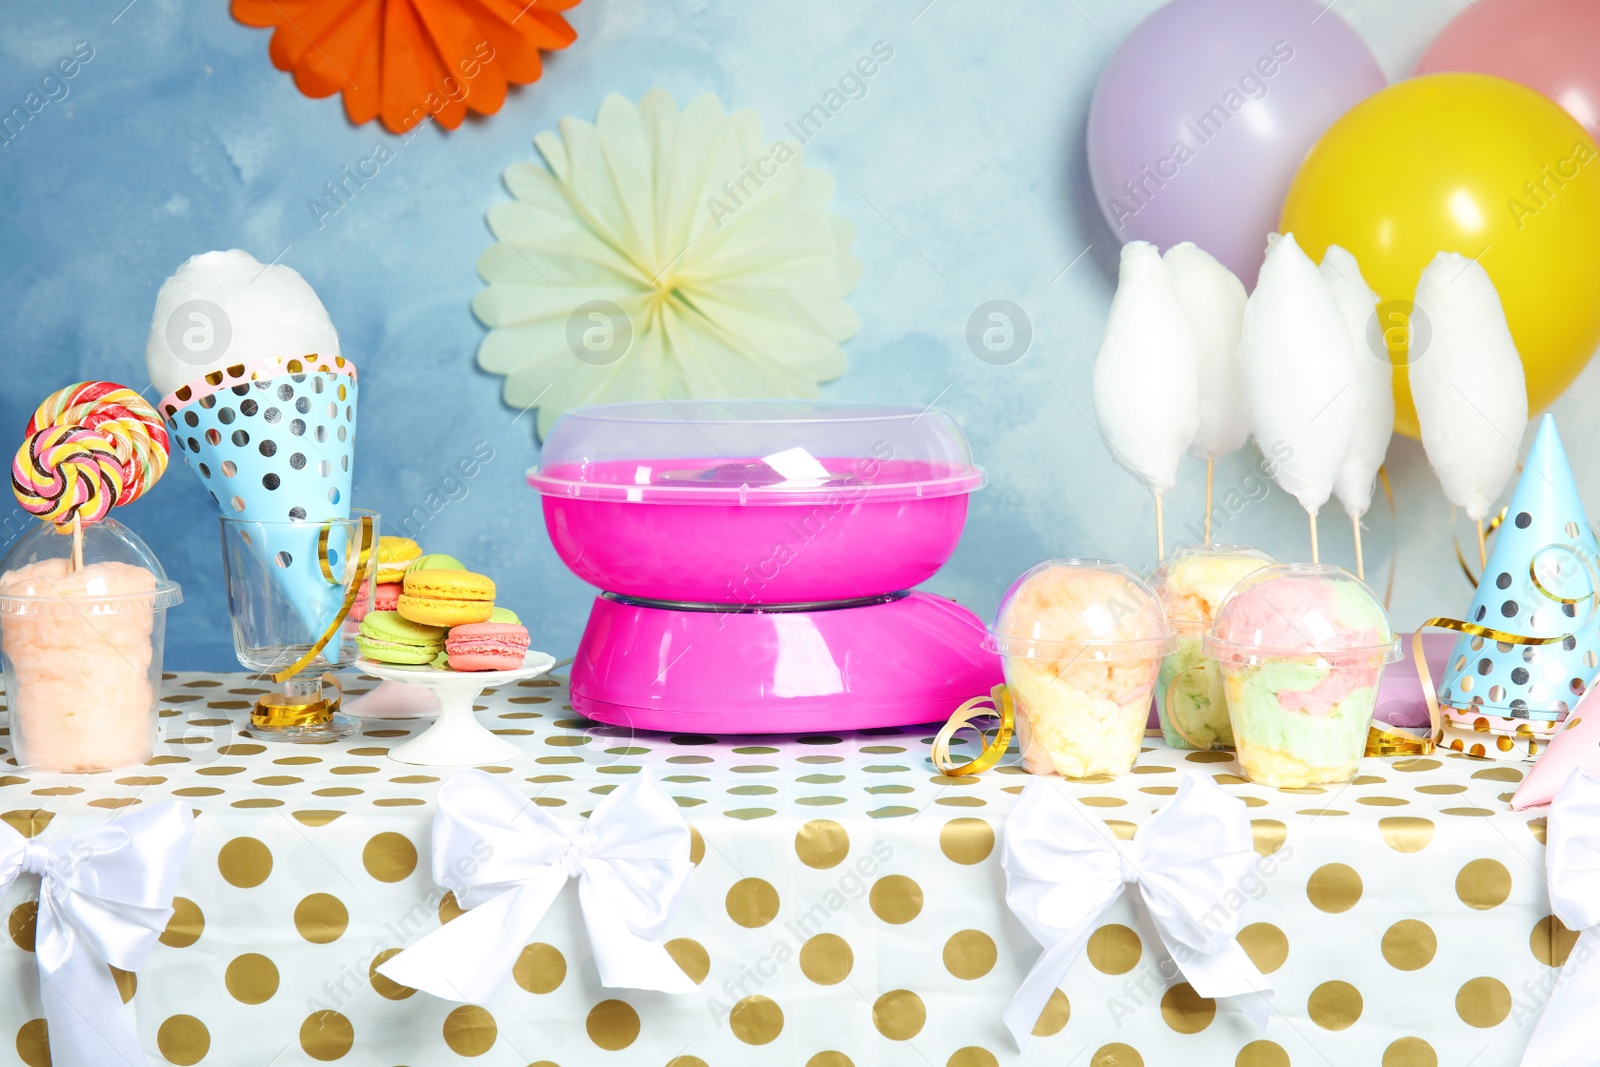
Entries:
{"x":1506,"y":697}
{"x":278,"y":449}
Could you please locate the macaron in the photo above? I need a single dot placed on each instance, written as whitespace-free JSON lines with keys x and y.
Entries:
{"x":435,"y":561}
{"x":487,"y":646}
{"x":385,"y":597}
{"x":394,"y":555}
{"x":389,"y":637}
{"x":446,"y":597}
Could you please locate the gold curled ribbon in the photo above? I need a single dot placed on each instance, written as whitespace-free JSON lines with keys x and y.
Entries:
{"x":1488,"y":532}
{"x":1000,"y":704}
{"x":1172,"y":709}
{"x":322,"y":554}
{"x":362,"y":561}
{"x":1489,"y":633}
{"x":1533,"y":576}
{"x":276,"y":711}
{"x":1382,"y":742}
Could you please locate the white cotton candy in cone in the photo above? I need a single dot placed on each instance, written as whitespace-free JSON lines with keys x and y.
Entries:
{"x":1298,"y":360}
{"x":1372,"y":381}
{"x":225,"y":308}
{"x":1467,"y":384}
{"x":1146,"y":380}
{"x":1213,"y":299}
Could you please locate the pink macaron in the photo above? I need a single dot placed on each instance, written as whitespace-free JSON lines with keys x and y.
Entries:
{"x":486,"y":646}
{"x":386,"y":594}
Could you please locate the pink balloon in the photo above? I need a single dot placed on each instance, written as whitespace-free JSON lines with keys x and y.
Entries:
{"x":1551,"y":46}
{"x":1203,"y":114}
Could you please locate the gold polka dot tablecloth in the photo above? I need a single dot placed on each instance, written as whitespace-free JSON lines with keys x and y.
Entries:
{"x":847,"y":908}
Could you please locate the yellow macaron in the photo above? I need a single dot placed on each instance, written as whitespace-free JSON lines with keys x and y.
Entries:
{"x":395,"y":554}
{"x":446,"y":597}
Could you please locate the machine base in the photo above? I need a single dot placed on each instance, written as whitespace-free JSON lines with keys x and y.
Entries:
{"x":910,"y":660}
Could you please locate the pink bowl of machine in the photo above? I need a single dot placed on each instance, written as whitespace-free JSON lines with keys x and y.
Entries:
{"x":757,"y":558}
{"x":755,"y":501}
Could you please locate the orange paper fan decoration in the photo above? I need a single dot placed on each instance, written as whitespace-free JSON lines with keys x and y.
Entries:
{"x":403,"y":61}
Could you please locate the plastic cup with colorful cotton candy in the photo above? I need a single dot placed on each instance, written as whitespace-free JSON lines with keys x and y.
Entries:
{"x":82,"y":599}
{"x":261,"y":404}
{"x":1081,"y":642}
{"x":1192,"y":584}
{"x":1301,"y":648}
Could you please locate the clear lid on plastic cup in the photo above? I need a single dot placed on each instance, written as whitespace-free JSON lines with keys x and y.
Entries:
{"x":1195,"y":580}
{"x":1302,"y":611}
{"x":119,"y":573}
{"x":1090,"y":610}
{"x":755,"y":452}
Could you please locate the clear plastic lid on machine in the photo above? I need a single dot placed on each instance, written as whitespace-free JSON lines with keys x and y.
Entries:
{"x":755,"y":501}
{"x":755,"y":451}
{"x":764,"y":551}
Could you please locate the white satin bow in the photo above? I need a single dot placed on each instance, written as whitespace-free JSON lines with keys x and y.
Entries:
{"x":506,"y":859}
{"x":1064,"y":870}
{"x":1564,"y":1036}
{"x":105,"y":896}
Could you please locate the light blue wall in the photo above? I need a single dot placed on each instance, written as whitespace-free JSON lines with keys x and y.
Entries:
{"x":962,"y":169}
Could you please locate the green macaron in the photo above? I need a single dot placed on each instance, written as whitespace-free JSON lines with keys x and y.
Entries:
{"x":435,"y":561}
{"x":505,"y":617}
{"x":386,"y":637}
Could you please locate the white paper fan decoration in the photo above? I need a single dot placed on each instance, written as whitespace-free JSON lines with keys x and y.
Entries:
{"x":664,"y":254}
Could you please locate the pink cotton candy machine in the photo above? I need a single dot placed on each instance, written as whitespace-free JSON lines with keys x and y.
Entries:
{"x":757,"y":558}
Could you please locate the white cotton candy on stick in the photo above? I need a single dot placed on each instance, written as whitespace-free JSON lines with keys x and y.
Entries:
{"x":1298,"y":359}
{"x":1146,"y":382}
{"x":1468,"y":385}
{"x":225,"y":308}
{"x":1372,"y":383}
{"x":1213,"y":300}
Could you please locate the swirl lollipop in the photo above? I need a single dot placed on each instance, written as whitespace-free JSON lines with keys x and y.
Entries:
{"x":88,"y":448}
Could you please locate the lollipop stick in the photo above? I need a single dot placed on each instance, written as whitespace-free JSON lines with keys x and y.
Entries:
{"x":77,"y":543}
{"x":1210,"y":467}
{"x":1483,"y":551}
{"x":1161,"y":537}
{"x":1313,"y":516}
{"x":1355,"y":525}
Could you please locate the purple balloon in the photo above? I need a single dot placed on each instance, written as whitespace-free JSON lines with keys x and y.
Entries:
{"x":1202,"y":117}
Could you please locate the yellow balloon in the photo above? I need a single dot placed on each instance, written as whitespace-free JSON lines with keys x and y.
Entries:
{"x":1471,"y":164}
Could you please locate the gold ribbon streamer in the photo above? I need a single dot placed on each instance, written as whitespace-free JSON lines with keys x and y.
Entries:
{"x":1488,"y":532}
{"x":1000,"y":704}
{"x":1489,"y":633}
{"x":322,"y":554}
{"x":1172,"y":708}
{"x":1425,"y":676}
{"x":1382,"y":741}
{"x":278,"y":711}
{"x":1533,"y":576}
{"x":363,"y":563}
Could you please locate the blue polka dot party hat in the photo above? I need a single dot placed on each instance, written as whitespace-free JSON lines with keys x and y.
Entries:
{"x":274,"y":444}
{"x":1504,"y":692}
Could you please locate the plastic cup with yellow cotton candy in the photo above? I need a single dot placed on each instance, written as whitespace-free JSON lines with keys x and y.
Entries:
{"x":1081,"y":641}
{"x":1192,"y":583}
{"x":1302,"y":648}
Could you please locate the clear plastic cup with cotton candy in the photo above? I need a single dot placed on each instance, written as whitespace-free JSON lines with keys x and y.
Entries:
{"x":1302,"y":648}
{"x":1192,"y":583}
{"x":1081,"y":641}
{"x":82,"y":643}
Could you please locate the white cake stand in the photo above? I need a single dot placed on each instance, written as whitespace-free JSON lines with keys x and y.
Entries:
{"x":456,"y":738}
